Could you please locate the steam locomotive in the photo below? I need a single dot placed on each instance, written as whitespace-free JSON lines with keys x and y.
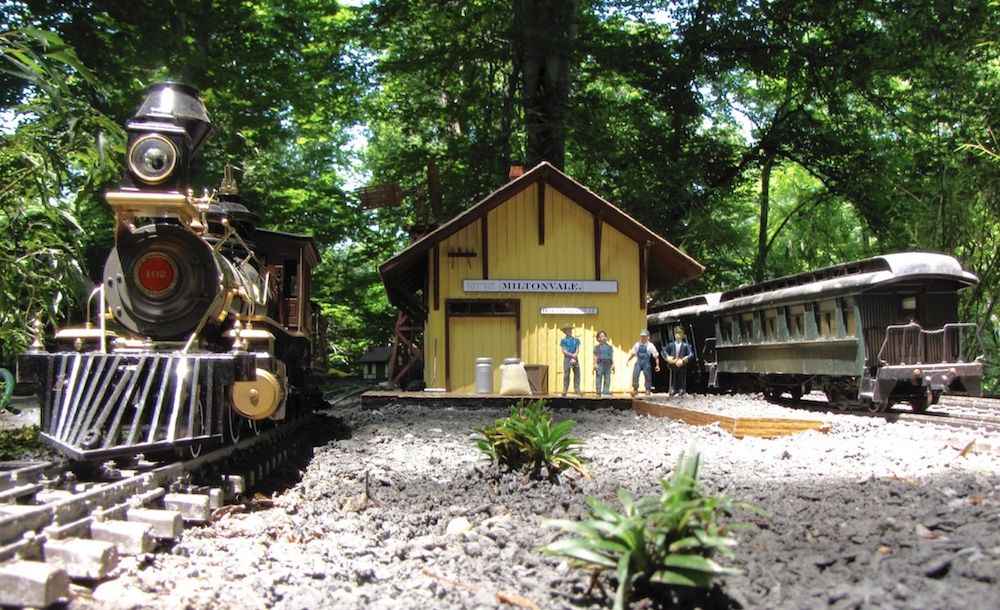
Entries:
{"x":869,"y":333}
{"x":205,"y":329}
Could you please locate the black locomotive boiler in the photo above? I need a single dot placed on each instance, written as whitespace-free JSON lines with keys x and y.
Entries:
{"x":868,"y":333}
{"x":205,"y":330}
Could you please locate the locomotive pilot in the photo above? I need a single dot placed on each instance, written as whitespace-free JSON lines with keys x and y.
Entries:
{"x":678,"y":354}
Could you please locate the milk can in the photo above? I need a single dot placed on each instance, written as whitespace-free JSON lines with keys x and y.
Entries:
{"x":484,"y":375}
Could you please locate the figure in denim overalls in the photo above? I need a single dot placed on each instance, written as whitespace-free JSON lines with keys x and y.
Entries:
{"x":645,"y":354}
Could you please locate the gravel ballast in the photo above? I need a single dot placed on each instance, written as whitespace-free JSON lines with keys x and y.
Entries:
{"x":871,"y":514}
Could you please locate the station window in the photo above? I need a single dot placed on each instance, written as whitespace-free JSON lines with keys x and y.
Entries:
{"x":477,"y":308}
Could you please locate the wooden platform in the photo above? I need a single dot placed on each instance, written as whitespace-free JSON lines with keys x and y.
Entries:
{"x":763,"y":427}
{"x":448,"y":399}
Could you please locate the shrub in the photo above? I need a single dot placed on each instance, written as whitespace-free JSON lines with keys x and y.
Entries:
{"x":669,"y":539}
{"x":21,"y":443}
{"x":528,"y":439}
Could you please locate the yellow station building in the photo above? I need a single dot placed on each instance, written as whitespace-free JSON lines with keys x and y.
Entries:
{"x":501,"y":279}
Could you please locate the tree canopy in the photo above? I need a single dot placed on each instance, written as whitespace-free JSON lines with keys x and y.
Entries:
{"x":764,"y":138}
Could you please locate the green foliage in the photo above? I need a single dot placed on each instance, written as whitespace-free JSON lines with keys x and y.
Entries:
{"x":669,"y":539}
{"x":527,"y":439}
{"x":51,"y":165}
{"x":353,"y":299}
{"x":869,"y":118}
{"x":446,"y":88}
{"x":17,"y":443}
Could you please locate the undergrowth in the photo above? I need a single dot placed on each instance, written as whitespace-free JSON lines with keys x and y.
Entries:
{"x":527,"y":439}
{"x":19,"y":442}
{"x":671,"y":539}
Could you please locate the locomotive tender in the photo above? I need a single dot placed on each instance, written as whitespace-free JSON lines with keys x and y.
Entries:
{"x":205,"y":328}
{"x":867,"y":333}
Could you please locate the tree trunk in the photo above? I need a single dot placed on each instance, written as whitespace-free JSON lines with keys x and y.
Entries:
{"x":544,"y":36}
{"x":760,"y":263}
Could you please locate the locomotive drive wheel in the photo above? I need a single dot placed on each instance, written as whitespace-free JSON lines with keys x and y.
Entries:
{"x":231,"y":423}
{"x":922,"y":403}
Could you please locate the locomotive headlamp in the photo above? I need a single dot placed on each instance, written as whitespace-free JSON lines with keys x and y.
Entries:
{"x":152,"y":158}
{"x":166,"y":132}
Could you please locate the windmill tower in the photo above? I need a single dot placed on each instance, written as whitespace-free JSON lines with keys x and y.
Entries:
{"x":407,"y":348}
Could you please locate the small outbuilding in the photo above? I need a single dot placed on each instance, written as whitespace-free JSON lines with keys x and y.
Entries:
{"x":502,"y":279}
{"x":375,"y":364}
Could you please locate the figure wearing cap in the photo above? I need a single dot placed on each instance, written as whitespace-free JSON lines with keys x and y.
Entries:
{"x":645,"y":354}
{"x":678,"y":354}
{"x":570,"y":347}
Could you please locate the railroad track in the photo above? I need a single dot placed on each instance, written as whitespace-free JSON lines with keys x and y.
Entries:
{"x":57,"y":525}
{"x":960,"y":412}
{"x":976,"y":414}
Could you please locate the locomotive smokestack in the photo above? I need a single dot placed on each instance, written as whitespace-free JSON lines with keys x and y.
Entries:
{"x":180,"y":104}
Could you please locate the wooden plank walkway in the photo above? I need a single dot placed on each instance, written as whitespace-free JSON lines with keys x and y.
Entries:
{"x":763,"y":427}
{"x":739,"y":427}
{"x":448,"y":399}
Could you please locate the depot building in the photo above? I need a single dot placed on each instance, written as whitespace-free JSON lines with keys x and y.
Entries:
{"x":503,"y":278}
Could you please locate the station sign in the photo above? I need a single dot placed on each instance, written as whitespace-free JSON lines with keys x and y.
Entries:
{"x":572,"y":286}
{"x":568,"y":311}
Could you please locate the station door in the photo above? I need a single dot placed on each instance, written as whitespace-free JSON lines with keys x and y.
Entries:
{"x":479,"y":337}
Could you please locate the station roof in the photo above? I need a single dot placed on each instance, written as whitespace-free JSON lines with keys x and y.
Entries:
{"x":405,"y":274}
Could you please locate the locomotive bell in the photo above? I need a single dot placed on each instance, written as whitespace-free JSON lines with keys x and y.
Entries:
{"x":168,"y":129}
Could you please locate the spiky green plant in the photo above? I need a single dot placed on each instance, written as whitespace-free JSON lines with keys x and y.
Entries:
{"x":669,"y":539}
{"x":528,"y":439}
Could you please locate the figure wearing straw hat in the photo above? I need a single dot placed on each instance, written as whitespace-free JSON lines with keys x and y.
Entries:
{"x":570,"y":347}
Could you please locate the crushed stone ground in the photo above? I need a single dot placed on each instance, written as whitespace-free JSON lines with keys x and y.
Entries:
{"x":399,"y":511}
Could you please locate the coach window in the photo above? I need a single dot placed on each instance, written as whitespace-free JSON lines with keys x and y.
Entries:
{"x":797,"y":321}
{"x":725,"y":330}
{"x":850,"y":324}
{"x":746,"y":328}
{"x":828,"y":318}
{"x":771,"y":325}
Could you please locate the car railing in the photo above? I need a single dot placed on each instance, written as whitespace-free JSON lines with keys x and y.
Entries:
{"x":908,"y":344}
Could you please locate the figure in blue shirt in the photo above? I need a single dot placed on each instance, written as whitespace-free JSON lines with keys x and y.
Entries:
{"x":679,"y":353}
{"x":570,"y":346}
{"x":604,"y":364}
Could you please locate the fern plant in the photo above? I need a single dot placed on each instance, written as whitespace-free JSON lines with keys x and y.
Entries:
{"x":670,"y":539}
{"x":528,"y":439}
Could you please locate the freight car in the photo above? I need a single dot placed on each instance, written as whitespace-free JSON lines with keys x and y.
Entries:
{"x":204,"y":330}
{"x":868,"y":333}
